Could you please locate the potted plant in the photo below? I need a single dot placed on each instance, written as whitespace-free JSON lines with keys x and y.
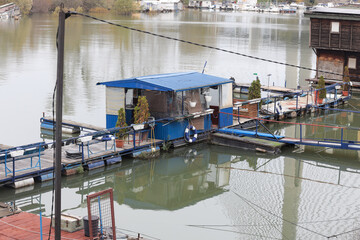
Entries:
{"x":141,"y":112}
{"x":320,"y":94}
{"x":255,"y":90}
{"x":346,"y":80}
{"x":254,"y":93}
{"x":122,"y":133}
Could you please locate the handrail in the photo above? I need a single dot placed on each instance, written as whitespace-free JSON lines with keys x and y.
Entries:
{"x":331,"y":87}
{"x":263,"y":119}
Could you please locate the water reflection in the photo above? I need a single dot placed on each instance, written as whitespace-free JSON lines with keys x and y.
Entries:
{"x":181,"y":179}
{"x":187,"y":181}
{"x":96,"y":52}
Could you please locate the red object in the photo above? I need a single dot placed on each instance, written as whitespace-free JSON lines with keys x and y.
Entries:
{"x":318,"y":99}
{"x":119,"y":143}
{"x":345,"y":93}
{"x":26,"y":226}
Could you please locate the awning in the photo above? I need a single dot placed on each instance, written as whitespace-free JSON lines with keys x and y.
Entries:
{"x":169,"y":82}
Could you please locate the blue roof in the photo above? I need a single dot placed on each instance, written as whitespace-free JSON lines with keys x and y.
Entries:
{"x":169,"y":82}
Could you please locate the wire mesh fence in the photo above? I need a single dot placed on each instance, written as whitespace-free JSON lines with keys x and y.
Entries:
{"x":101,"y":220}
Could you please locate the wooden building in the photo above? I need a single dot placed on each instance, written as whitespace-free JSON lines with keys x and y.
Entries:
{"x":335,"y":38}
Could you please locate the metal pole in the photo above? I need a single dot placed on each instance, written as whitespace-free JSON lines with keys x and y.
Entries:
{"x":58,"y":132}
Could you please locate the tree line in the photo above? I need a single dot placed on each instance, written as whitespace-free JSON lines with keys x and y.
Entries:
{"x":43,"y":6}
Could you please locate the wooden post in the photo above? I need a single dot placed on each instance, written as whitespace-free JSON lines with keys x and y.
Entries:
{"x":58,"y":132}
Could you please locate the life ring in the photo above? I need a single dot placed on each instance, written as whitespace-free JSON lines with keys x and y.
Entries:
{"x":187,"y":134}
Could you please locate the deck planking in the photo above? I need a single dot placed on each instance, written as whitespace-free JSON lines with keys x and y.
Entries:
{"x":47,"y":156}
{"x":74,"y":123}
{"x":26,"y":226}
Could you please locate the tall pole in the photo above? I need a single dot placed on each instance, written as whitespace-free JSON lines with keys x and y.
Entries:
{"x":58,"y":130}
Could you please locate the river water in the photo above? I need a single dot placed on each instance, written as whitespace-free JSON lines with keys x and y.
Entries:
{"x":198,"y":192}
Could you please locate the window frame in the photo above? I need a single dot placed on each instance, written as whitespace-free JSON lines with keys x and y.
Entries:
{"x":332,"y":27}
{"x":354,"y":61}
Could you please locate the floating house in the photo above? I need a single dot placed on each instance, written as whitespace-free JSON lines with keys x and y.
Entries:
{"x":176,"y":101}
{"x":335,"y":38}
{"x":161,"y":6}
{"x":9,"y":10}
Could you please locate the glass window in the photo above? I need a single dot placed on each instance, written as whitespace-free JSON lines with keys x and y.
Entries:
{"x":352,"y":63}
{"x":335,"y":27}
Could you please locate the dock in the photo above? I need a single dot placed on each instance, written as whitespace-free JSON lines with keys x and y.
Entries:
{"x":244,"y":142}
{"x":69,"y":126}
{"x":244,"y":87}
{"x":355,"y":85}
{"x":94,"y":150}
{"x":26,"y":226}
{"x":95,"y":147}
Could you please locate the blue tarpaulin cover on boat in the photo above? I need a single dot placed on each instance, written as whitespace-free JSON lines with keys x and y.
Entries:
{"x":169,"y":82}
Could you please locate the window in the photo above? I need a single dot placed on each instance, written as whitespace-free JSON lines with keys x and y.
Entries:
{"x":352,"y":63}
{"x":335,"y":27}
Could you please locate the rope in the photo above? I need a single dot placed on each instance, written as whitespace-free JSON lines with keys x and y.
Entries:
{"x":336,"y":235}
{"x":123,"y":229}
{"x":207,"y":46}
{"x":286,"y":175}
{"x":225,"y":230}
{"x":251,"y":203}
{"x":28,"y":230}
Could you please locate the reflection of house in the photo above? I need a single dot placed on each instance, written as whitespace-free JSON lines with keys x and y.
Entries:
{"x":335,"y":38}
{"x":161,"y":5}
{"x":173,"y":183}
{"x":175,"y":100}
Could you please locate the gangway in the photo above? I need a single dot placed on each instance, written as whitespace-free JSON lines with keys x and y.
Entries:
{"x":316,"y":142}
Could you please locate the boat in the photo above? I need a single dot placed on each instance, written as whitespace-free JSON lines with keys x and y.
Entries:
{"x":207,"y":5}
{"x":182,"y":104}
{"x":9,"y":10}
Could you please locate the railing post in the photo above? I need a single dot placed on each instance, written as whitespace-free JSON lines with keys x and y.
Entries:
{"x":40,"y":158}
{"x":239,"y":114}
{"x":335,"y":97}
{"x":274,"y":106}
{"x":297,"y":101}
{"x":134,"y":139}
{"x":300,"y":132}
{"x":82,"y":153}
{"x":88,"y":148}
{"x":13,"y":171}
{"x":342,"y":135}
{"x":256,"y":126}
{"x":6,"y":152}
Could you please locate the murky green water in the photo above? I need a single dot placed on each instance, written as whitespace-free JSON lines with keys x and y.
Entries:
{"x":200,"y":192}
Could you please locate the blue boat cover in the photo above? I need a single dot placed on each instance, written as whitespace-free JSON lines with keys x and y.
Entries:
{"x":240,"y":132}
{"x":169,"y":82}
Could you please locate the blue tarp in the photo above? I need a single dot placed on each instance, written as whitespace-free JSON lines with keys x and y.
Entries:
{"x":169,"y":82}
{"x":240,"y":132}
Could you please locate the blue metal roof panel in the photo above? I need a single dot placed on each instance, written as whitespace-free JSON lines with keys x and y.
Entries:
{"x":169,"y":82}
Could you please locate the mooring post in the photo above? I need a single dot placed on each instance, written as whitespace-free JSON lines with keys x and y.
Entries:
{"x":58,"y":132}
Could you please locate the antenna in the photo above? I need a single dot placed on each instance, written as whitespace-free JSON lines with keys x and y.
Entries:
{"x":204,"y":67}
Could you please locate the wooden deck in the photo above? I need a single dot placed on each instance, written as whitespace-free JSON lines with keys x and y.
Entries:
{"x":94,"y":151}
{"x":78,"y":124}
{"x":26,"y":226}
{"x":239,"y":86}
